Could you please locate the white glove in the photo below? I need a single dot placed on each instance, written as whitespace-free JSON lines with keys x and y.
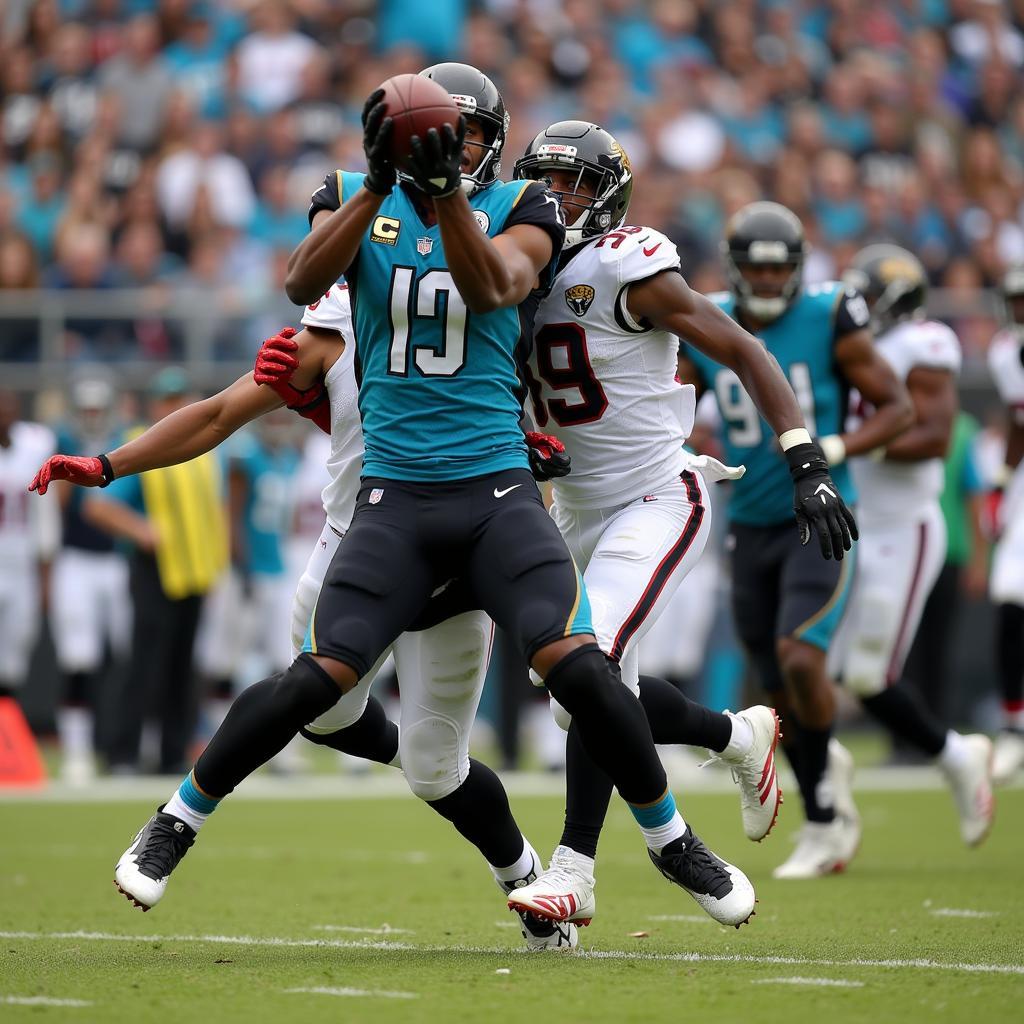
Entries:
{"x":713,"y":471}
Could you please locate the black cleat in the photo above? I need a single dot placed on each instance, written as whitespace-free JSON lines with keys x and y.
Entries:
{"x":142,"y":872}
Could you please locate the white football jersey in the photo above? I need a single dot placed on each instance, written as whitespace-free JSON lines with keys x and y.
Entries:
{"x":890,"y":490}
{"x":602,"y":383}
{"x":334,"y":313}
{"x":1006,"y":364}
{"x":29,"y":524}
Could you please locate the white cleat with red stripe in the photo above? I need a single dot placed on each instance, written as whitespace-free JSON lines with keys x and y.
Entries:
{"x":970,"y":779}
{"x":754,"y":772}
{"x":565,"y":892}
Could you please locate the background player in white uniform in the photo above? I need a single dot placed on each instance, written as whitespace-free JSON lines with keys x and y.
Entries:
{"x":90,"y":607}
{"x":1006,"y":587}
{"x":441,"y":669}
{"x":29,"y":535}
{"x":903,"y":533}
{"x":602,"y":376}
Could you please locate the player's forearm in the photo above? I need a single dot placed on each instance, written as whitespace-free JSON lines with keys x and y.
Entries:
{"x":881,"y":428}
{"x":327,"y":252}
{"x":1015,"y":438}
{"x":118,"y":519}
{"x":921,"y":441}
{"x":477,"y":266}
{"x":177,"y":438}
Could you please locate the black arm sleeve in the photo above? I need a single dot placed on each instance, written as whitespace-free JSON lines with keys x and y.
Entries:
{"x":539,"y":207}
{"x":326,"y":197}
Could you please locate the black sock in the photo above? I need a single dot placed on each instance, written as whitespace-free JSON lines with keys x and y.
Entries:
{"x":675,"y":718}
{"x":587,"y":793}
{"x":611,"y":723}
{"x":479,"y":810}
{"x":260,"y":723}
{"x":904,"y":716}
{"x":813,"y":761}
{"x":1010,"y":652}
{"x":372,"y":737}
{"x":78,"y":690}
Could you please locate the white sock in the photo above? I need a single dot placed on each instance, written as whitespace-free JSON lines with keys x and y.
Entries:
{"x":526,"y":866}
{"x":741,"y":740}
{"x":953,"y":753}
{"x":658,"y":838}
{"x":74,"y":726}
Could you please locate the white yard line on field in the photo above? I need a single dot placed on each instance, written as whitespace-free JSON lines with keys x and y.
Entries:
{"x":601,"y":954}
{"x":323,"y":990}
{"x":384,"y":929}
{"x":819,"y":982}
{"x":41,"y":1001}
{"x":958,"y":912}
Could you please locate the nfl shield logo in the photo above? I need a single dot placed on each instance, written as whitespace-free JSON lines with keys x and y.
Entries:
{"x":376,"y":494}
{"x":424,"y":245}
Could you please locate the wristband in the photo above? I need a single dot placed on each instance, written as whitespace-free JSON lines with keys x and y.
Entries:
{"x":833,"y":448}
{"x":791,"y":438}
{"x":108,"y":470}
{"x":1002,"y":476}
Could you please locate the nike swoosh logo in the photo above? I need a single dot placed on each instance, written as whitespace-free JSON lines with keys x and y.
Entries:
{"x":653,"y":249}
{"x":501,"y":494}
{"x":827,"y":490}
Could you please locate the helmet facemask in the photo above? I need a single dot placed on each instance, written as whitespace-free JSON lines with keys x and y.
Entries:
{"x":759,"y":253}
{"x":585,"y":217}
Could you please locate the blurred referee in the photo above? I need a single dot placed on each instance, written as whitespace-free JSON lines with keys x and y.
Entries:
{"x":174,"y":521}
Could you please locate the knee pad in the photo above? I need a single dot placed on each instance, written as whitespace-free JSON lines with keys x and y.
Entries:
{"x":865,"y":668}
{"x":303,"y":690}
{"x":583,"y":678}
{"x":435,"y":757}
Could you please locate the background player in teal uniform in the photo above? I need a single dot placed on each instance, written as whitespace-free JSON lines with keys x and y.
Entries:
{"x":788,"y":602}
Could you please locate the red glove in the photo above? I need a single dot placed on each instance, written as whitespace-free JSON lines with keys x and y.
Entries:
{"x":84,"y":470}
{"x":992,"y":514}
{"x":547,"y":456}
{"x":275,"y":364}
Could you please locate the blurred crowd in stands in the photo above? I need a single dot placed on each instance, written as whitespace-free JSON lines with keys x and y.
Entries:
{"x":164,"y":144}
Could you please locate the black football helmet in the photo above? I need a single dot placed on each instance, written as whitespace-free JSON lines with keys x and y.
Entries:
{"x":892,"y":280}
{"x":476,"y":96}
{"x":758,"y":234}
{"x":1012,"y":288}
{"x":588,"y":150}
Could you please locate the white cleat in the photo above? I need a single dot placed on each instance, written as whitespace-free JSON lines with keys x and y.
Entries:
{"x":563,"y":893}
{"x":822,"y":849}
{"x":755,"y":774}
{"x":142,"y":872}
{"x":1008,"y":759}
{"x":723,"y":892}
{"x":539,"y":933}
{"x":971,"y":783}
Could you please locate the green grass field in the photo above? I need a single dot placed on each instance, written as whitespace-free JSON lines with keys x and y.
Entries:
{"x":378,"y":903}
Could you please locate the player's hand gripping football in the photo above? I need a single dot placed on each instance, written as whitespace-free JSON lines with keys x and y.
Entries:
{"x":547,"y":455}
{"x":380,"y":171}
{"x":276,"y":361}
{"x":817,"y":503}
{"x":84,"y":470}
{"x":436,"y":159}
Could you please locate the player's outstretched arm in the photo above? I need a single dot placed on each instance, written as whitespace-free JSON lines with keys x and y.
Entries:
{"x":867,"y":371}
{"x":933,"y":393}
{"x":668,"y":302}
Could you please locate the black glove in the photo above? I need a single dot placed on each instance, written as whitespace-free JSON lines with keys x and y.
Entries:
{"x":547,"y":455}
{"x":436,"y":160}
{"x":817,"y":503}
{"x":380,"y":171}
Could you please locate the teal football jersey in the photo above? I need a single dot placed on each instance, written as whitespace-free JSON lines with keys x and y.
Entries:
{"x":439,"y":388}
{"x":802,"y":341}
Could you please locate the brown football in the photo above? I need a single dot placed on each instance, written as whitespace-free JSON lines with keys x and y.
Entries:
{"x":415,"y":104}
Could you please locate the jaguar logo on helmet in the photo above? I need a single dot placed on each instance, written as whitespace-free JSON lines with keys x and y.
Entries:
{"x":579,"y":298}
{"x":616,"y":148}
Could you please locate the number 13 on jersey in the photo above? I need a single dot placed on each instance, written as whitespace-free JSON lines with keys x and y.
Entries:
{"x":435,"y":298}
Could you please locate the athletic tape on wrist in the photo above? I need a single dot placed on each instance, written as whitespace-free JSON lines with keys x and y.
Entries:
{"x":108,"y":470}
{"x":791,"y":438}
